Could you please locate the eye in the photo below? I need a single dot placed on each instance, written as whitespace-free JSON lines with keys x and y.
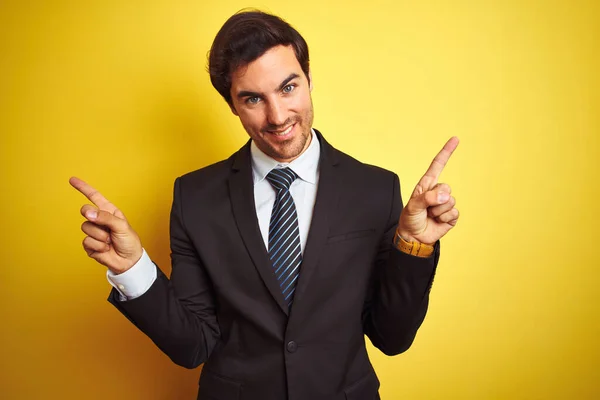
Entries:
{"x":289,"y":88}
{"x":252,"y":100}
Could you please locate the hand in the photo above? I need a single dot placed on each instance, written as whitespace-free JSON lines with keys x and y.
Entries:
{"x":430,"y":212}
{"x":110,"y":241}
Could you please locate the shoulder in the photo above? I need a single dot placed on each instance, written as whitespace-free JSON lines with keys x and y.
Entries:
{"x":208,"y":173}
{"x":371,"y":192}
{"x":346,"y":165}
{"x":210,"y":178}
{"x":363,"y":173}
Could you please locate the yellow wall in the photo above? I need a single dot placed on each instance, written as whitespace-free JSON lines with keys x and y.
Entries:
{"x":117,"y":94}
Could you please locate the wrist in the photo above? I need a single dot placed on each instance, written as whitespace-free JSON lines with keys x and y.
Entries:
{"x":128,"y":263}
{"x":406,"y":236}
{"x":410,"y":245}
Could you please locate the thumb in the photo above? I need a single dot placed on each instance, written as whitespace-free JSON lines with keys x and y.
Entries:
{"x":106,"y":219}
{"x":427,"y":199}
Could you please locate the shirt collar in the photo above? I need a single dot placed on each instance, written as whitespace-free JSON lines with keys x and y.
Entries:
{"x":305,"y":166}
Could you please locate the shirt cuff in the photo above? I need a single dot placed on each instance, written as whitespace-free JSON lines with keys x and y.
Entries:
{"x":136,"y":280}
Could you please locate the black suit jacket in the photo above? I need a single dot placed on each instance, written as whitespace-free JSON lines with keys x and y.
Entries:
{"x":223,"y":306}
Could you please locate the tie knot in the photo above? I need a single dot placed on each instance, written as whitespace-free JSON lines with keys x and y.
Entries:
{"x":281,"y":178}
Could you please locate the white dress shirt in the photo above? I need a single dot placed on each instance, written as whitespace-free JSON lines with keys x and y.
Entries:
{"x":137,"y":280}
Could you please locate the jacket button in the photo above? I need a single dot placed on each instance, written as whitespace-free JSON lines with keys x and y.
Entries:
{"x":292,"y":346}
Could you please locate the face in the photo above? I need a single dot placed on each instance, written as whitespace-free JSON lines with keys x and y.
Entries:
{"x":271,"y":96}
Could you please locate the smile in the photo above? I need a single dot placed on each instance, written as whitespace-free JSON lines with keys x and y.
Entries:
{"x":283,"y":133}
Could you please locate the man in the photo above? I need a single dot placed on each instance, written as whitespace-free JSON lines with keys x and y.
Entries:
{"x":284,"y":255}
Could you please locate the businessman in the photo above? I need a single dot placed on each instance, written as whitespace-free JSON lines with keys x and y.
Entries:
{"x":285,"y":255}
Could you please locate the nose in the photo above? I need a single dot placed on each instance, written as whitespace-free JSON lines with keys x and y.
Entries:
{"x":276,"y":113}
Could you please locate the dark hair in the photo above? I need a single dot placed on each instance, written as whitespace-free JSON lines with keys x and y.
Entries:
{"x":243,"y":38}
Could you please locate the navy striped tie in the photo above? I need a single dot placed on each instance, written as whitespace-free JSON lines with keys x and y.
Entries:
{"x":284,"y":235}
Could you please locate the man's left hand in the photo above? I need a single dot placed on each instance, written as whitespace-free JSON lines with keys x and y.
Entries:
{"x":430,"y":213}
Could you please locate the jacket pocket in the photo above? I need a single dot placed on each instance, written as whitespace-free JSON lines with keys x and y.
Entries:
{"x":217,"y":387}
{"x":350,"y":235}
{"x":366,"y":388}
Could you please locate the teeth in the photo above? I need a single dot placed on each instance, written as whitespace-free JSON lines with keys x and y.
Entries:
{"x":288,"y":130}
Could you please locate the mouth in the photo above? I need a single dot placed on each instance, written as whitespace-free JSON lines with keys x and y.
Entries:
{"x":283,"y":134}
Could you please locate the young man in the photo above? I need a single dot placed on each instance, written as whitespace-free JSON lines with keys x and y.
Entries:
{"x":284,"y":255}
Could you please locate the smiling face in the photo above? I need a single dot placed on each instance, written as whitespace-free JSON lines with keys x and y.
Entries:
{"x":271,"y":96}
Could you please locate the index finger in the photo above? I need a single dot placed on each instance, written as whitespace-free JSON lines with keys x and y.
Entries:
{"x":92,"y":194}
{"x":439,"y":162}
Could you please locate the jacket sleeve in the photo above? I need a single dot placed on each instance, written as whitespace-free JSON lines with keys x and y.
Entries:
{"x":177,"y":314}
{"x":397,"y":301}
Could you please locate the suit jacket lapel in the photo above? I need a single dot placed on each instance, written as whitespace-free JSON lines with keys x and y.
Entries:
{"x":326,"y":202}
{"x":241,"y":191}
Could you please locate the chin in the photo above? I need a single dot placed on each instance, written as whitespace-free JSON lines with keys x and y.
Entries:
{"x":284,"y":156}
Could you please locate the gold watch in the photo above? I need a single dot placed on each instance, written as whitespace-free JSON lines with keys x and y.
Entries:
{"x":412,"y":248}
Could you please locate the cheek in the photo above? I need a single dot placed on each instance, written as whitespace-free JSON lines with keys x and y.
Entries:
{"x":302,"y":103}
{"x":253,"y":121}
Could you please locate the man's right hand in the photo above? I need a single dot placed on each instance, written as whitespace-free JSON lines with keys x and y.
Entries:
{"x":110,"y":239}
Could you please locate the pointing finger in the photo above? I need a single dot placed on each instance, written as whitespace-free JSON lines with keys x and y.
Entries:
{"x":440,"y":161}
{"x":92,"y":194}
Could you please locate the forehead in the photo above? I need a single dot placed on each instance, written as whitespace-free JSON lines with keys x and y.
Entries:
{"x":266,"y":72}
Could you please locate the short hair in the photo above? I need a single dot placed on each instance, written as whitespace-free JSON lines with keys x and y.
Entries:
{"x":243,"y":38}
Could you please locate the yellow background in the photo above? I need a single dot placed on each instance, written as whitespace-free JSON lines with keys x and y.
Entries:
{"x":117,"y":94}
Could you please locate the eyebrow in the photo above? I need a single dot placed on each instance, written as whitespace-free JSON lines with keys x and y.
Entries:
{"x":246,"y":93}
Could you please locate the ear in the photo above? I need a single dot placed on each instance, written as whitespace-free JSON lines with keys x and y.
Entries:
{"x":310,"y":81}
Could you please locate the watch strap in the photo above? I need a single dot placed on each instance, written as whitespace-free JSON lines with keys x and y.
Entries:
{"x":413,"y":248}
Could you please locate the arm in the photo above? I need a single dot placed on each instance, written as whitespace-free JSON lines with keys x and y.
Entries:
{"x":177,"y":314}
{"x":397,"y":304}
{"x":398,"y":301}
